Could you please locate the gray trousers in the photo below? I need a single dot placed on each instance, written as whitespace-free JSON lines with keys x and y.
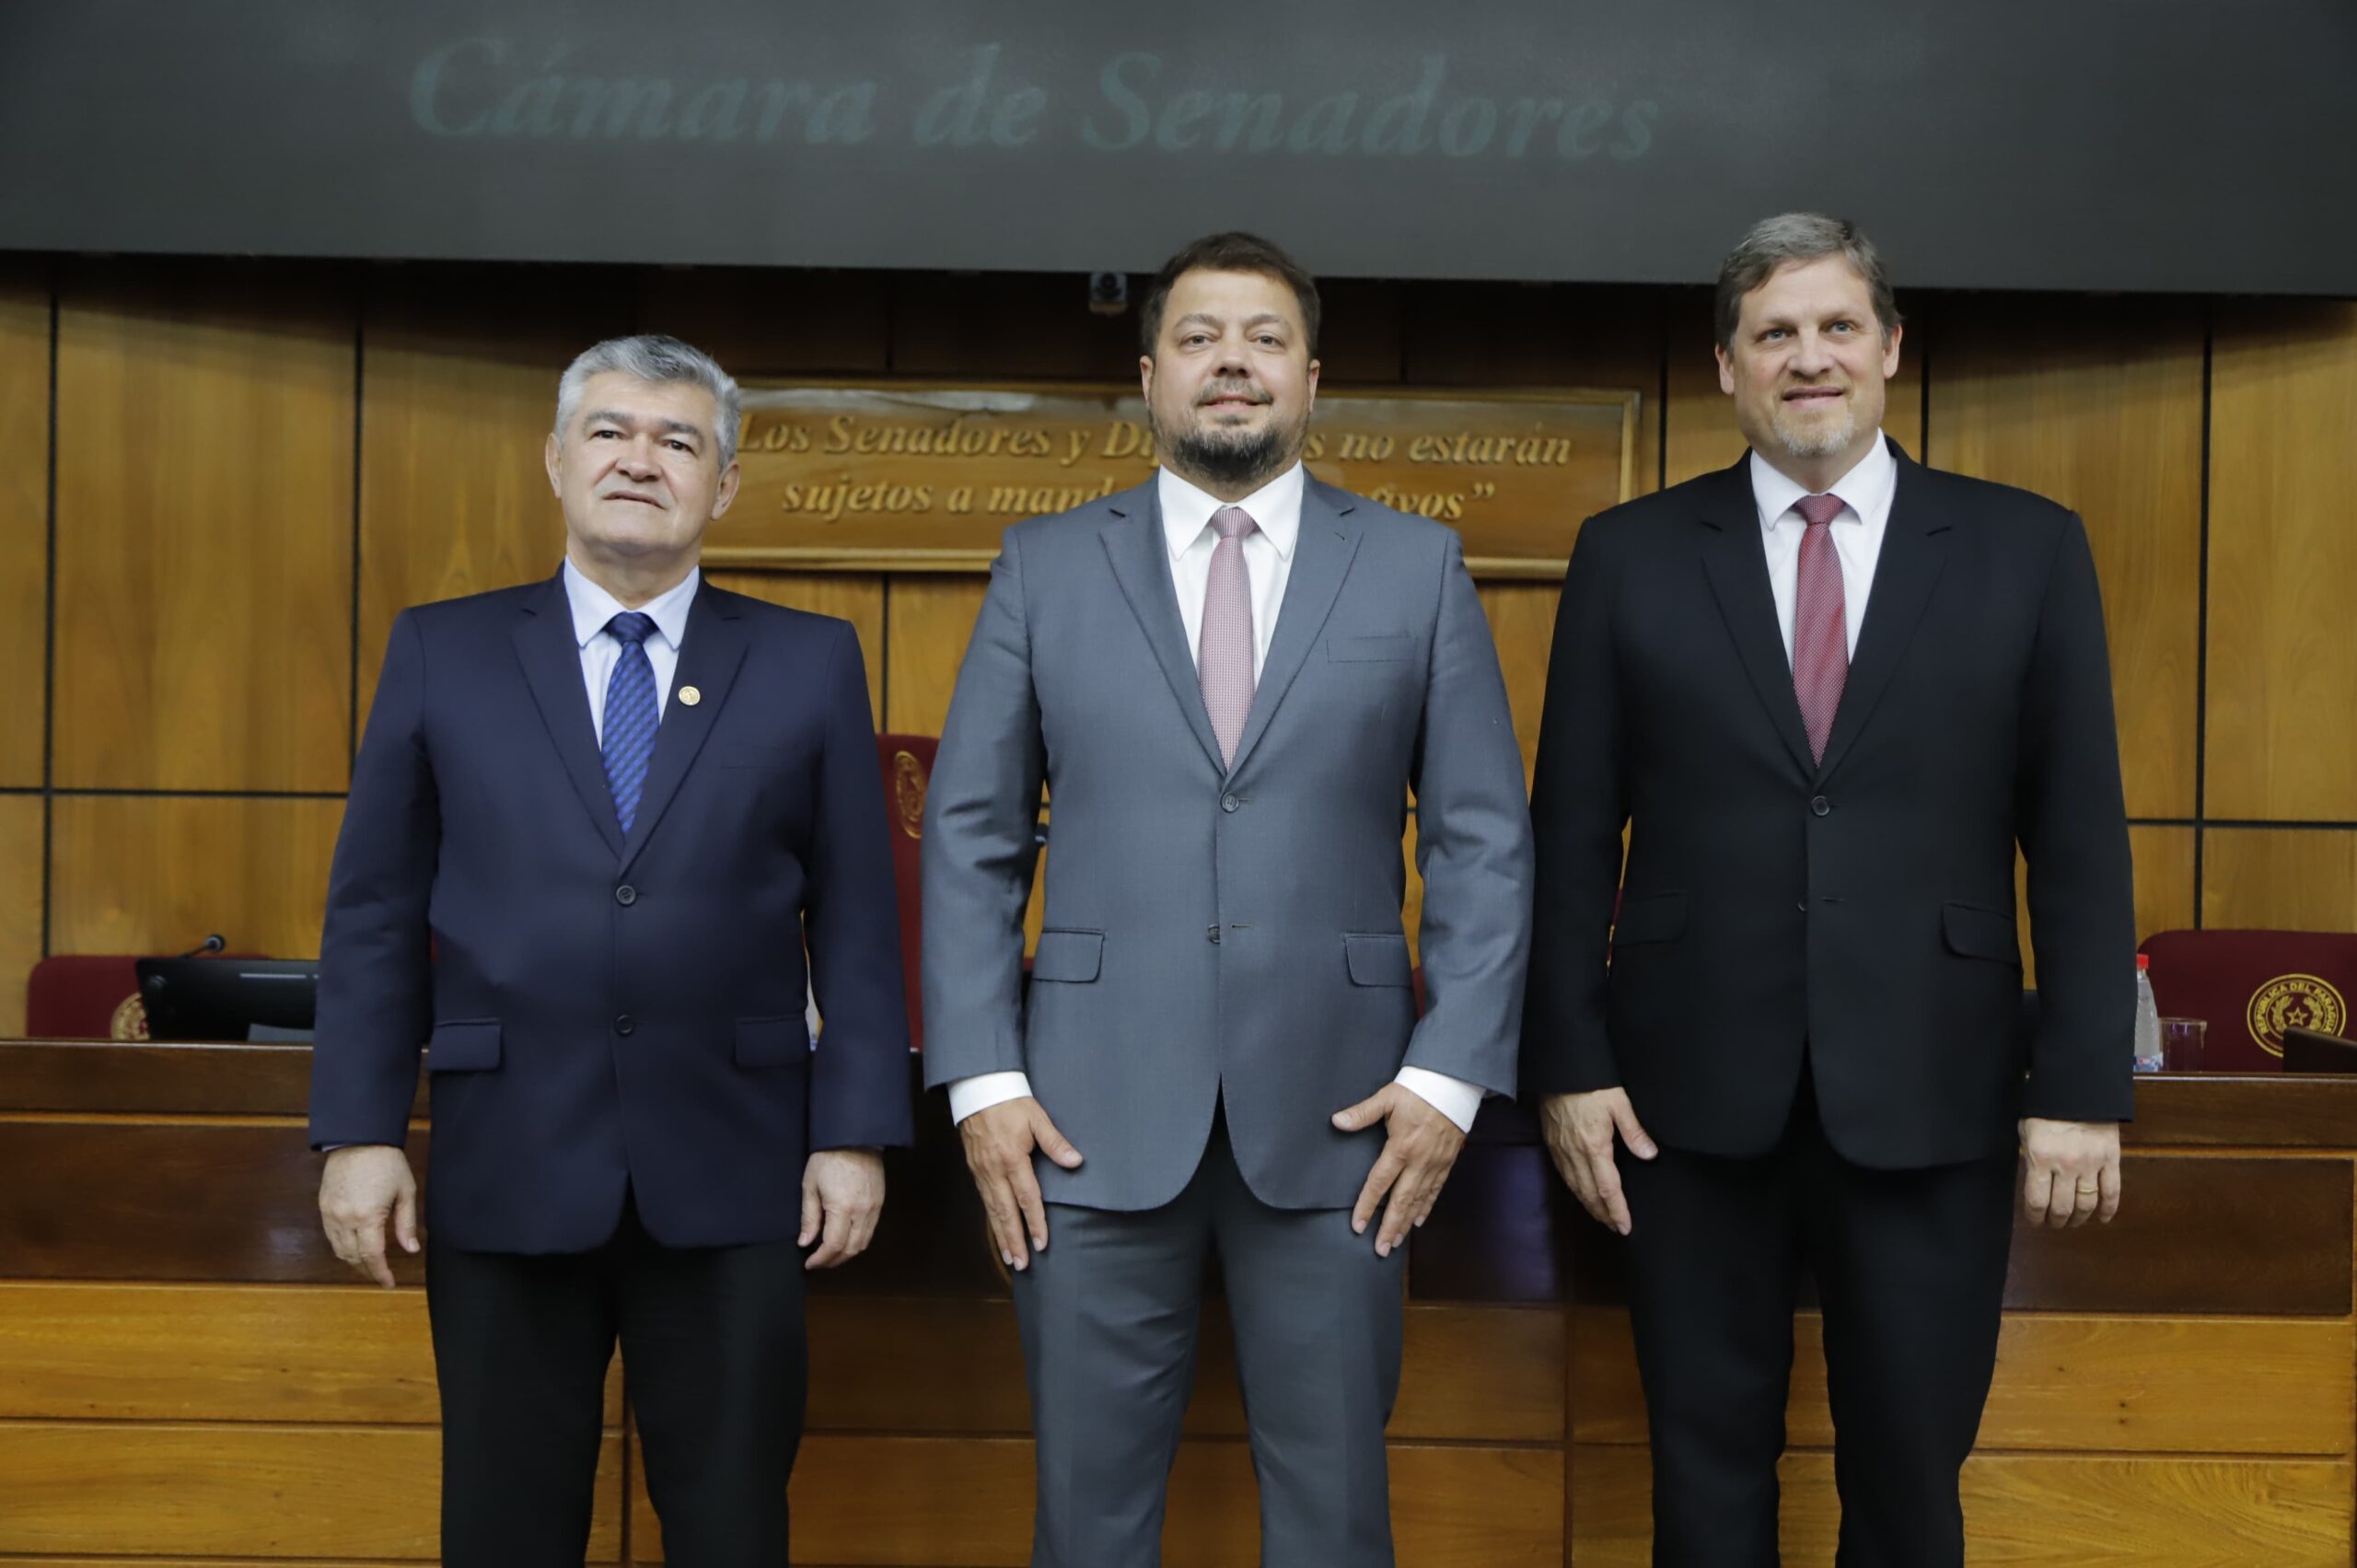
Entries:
{"x":1108,"y":1314}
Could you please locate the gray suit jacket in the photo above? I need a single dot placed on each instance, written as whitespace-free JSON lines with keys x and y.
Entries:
{"x":1231,"y":933}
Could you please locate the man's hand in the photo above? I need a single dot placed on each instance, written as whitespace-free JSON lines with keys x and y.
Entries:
{"x":1419,"y":1146}
{"x":363,"y":1185}
{"x":843,"y":1197}
{"x":1579,"y":1130}
{"x":2070,"y":1172}
{"x":999,"y":1143}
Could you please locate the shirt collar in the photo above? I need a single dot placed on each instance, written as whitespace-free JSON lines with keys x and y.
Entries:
{"x":1186,"y":510}
{"x":593,"y":606}
{"x":1862,"y":489}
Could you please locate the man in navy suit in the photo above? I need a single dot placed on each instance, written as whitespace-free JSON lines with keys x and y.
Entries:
{"x":595,"y":825}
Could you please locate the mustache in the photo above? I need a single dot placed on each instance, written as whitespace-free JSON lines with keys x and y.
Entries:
{"x":1219,"y":390}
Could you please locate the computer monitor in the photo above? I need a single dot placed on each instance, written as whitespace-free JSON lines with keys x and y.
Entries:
{"x":228,"y":999}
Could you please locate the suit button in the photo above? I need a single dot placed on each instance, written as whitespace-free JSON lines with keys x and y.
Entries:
{"x":1228,"y":803}
{"x":625,"y":1026}
{"x":1821,"y":806}
{"x":1211,"y":934}
{"x":625,"y":895}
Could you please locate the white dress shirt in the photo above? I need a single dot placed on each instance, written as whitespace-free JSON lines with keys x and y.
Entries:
{"x":1267,"y":560}
{"x":1866,"y":492}
{"x":593,"y":607}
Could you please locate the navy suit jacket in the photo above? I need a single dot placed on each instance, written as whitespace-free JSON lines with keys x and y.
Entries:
{"x":607,"y":1012}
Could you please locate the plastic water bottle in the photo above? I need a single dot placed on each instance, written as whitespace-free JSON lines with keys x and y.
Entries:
{"x":2148,"y":1018}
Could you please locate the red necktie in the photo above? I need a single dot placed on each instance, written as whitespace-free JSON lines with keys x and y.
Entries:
{"x":1820,"y":622}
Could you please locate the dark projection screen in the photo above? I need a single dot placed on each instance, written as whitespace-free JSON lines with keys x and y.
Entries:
{"x":2134,"y":144}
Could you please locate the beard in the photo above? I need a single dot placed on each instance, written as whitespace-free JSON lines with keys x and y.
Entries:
{"x":1815,"y":438}
{"x":1230,"y":459}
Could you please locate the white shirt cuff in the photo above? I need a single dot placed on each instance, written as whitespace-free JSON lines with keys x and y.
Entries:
{"x":1453,"y":1098}
{"x":983,"y":1090}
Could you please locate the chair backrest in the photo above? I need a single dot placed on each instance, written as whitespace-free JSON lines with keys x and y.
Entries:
{"x":2250,"y":987}
{"x":84,"y":996}
{"x":907,"y":763}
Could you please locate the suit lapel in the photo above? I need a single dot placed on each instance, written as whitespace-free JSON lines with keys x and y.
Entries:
{"x":1737,"y":563}
{"x":1914,"y":551}
{"x":1322,"y":553}
{"x":552,"y":660}
{"x":1141,"y":561}
{"x":709,"y":660}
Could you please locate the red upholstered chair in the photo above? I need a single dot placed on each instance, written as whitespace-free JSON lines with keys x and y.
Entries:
{"x":84,"y":996}
{"x":907,"y":761}
{"x":2250,"y":987}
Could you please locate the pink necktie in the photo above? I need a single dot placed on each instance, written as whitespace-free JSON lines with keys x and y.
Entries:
{"x":1820,"y":622}
{"x":1223,"y":654}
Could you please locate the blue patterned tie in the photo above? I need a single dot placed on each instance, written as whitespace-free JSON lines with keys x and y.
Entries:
{"x":631,"y":716}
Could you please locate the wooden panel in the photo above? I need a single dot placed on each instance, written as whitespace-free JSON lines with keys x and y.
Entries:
{"x":2261,"y":1110}
{"x":113,"y":1199}
{"x":2164,"y":1385}
{"x":1463,"y":334}
{"x":1358,"y":333}
{"x":966,"y":1502}
{"x":1701,"y":433}
{"x":2164,"y":858}
{"x":461,"y":370}
{"x":930,"y":621}
{"x":269,"y":1492}
{"x":1522,"y":621}
{"x":2279,"y":878}
{"x":144,"y":874}
{"x":2018,"y":1509}
{"x":2281,"y":557}
{"x":769,"y":321}
{"x":2096,"y":403}
{"x":205,"y":452}
{"x":853,"y":597}
{"x":20,"y":856}
{"x":1008,"y":325}
{"x":2194,"y":1234}
{"x":271,"y":1080}
{"x":289,"y":1353}
{"x":24,"y":519}
{"x":934,"y":1364}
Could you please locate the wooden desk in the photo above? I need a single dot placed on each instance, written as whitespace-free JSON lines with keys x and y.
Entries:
{"x":186,"y":1372}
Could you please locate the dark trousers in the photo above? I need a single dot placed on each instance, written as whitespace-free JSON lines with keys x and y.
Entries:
{"x":1109,"y":1313}
{"x":1910,"y":1273}
{"x":713,"y":1347}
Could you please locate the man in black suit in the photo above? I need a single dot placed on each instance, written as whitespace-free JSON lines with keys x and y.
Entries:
{"x":1827,"y":691}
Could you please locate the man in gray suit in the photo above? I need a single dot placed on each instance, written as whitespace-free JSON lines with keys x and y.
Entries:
{"x":1230,"y":679}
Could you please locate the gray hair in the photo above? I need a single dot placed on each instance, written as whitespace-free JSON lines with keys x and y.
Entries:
{"x":651,"y":356}
{"x":1799,"y":237}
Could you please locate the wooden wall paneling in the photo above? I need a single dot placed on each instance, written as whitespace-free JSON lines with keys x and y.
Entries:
{"x":2020,"y":1509}
{"x":1009,"y":326}
{"x":2283,"y":555}
{"x":1467,"y":334}
{"x":2063,"y":1383}
{"x":2097,"y":404}
{"x":24,"y":518}
{"x":2162,"y":861}
{"x":214,"y":1491}
{"x":205,"y":453}
{"x":21,"y":911}
{"x":1522,"y":621}
{"x":459,"y":369}
{"x":954,"y":1365}
{"x":2279,"y":878}
{"x":150,"y":873}
{"x":773,"y":321}
{"x":282,"y":1353}
{"x":856,"y":596}
{"x":108,"y":1198}
{"x":929,"y":622}
{"x":1699,"y":432}
{"x":966,"y":1502}
{"x":1359,"y":339}
{"x":2195,"y":1234}
{"x":224,"y":1079}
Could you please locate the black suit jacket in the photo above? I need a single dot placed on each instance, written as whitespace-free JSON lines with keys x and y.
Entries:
{"x":1858,"y":915}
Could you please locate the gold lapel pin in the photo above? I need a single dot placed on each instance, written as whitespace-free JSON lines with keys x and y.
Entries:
{"x":689,"y":695}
